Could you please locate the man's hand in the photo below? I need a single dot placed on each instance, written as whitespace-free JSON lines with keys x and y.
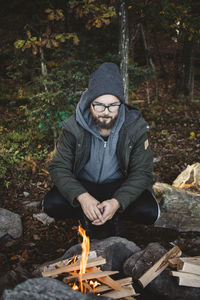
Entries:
{"x":90,"y":207}
{"x":108,"y":208}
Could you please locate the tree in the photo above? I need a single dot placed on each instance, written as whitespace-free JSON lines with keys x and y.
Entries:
{"x":124,"y":45}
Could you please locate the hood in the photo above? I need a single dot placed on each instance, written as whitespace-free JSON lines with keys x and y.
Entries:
{"x":84,"y":117}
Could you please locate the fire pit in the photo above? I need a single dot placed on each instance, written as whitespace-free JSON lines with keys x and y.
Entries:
{"x":84,"y":274}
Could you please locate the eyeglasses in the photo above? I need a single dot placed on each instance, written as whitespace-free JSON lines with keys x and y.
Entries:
{"x":101,"y":107}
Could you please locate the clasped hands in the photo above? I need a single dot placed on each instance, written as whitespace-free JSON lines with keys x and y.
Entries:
{"x":98,"y":212}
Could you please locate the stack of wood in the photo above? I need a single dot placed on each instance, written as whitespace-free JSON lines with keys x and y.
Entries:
{"x":188,"y":270}
{"x":116,"y":289}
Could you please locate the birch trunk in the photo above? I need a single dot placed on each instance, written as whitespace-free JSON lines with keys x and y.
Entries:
{"x":124,"y":46}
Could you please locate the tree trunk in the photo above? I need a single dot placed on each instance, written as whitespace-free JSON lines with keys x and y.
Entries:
{"x":42,"y":60}
{"x":149,"y":59}
{"x":124,"y":46}
{"x":186,"y":83}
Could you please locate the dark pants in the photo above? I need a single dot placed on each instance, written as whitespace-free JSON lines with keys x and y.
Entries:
{"x":144,"y":210}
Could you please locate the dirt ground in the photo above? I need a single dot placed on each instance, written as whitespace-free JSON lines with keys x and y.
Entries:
{"x":174,"y":147}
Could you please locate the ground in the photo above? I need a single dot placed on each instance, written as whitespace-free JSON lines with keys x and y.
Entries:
{"x":175,"y":141}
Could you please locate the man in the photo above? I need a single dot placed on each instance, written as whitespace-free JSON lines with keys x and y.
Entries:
{"x":102,"y":165}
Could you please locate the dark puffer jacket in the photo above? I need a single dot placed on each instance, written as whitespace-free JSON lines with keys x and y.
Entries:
{"x":133,"y":152}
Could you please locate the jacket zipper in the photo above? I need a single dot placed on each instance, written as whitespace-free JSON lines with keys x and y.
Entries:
{"x":104,"y":146}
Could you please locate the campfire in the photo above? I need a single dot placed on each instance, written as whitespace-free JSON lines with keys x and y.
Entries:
{"x":84,"y":274}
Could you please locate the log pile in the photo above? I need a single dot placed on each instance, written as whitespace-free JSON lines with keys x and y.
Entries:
{"x":188,"y":271}
{"x":107,"y":287}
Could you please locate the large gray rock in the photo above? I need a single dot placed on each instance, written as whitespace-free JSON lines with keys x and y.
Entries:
{"x":180,"y":210}
{"x":45,"y":289}
{"x":10,"y":223}
{"x":164,"y":285}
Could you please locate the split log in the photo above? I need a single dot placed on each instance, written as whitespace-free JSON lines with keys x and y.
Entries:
{"x":106,"y":280}
{"x":173,"y":262}
{"x":75,"y":267}
{"x":189,"y":265}
{"x":187,"y":279}
{"x":158,"y":267}
{"x":63,"y":262}
{"x":88,"y":276}
{"x":180,"y":210}
{"x":190,"y":176}
{"x":125,"y":291}
{"x":121,"y":282}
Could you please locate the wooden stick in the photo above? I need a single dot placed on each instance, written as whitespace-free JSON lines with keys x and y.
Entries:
{"x":159,"y":266}
{"x":65,"y":262}
{"x":174,"y":262}
{"x":187,"y":279}
{"x":122,"y":282}
{"x":91,"y":275}
{"x":189,"y":265}
{"x":75,"y":267}
{"x":106,"y":280}
{"x":125,"y":291}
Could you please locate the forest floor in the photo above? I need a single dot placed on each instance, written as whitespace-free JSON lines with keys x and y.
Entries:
{"x":175,"y":141}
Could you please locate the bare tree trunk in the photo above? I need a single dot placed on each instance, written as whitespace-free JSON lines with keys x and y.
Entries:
{"x":186,"y":84}
{"x":42,"y":62}
{"x":124,"y":46}
{"x":149,"y":59}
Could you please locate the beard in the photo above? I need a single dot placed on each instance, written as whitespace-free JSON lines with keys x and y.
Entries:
{"x":104,"y":124}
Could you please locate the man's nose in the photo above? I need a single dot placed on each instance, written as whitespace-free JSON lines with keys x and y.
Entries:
{"x":106,"y":111}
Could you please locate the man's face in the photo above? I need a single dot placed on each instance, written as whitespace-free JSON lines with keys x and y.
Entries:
{"x":105,"y":118}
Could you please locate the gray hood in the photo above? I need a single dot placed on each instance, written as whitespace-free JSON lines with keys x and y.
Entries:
{"x":102,"y":165}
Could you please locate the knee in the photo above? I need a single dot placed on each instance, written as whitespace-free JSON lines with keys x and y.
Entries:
{"x":145,"y":210}
{"x":54,"y":204}
{"x":49,"y":205}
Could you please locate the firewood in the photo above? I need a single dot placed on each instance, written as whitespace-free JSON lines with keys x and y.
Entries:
{"x":91,"y":275}
{"x":106,"y":280}
{"x":125,"y":291}
{"x":121,"y":282}
{"x":159,"y":266}
{"x":65,"y":262}
{"x":75,"y":267}
{"x":189,"y":265}
{"x":187,"y":279}
{"x":174,"y":262}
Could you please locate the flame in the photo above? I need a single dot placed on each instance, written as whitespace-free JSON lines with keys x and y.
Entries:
{"x":85,"y":251}
{"x":75,"y":287}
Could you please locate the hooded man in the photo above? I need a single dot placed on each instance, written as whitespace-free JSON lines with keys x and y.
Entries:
{"x":102,"y":166}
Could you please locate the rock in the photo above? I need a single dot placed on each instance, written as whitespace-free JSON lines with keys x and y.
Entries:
{"x":31,"y":205}
{"x":26,"y":194}
{"x":44,"y":218}
{"x":163,"y":285}
{"x":10,"y":223}
{"x":180,"y":210}
{"x":45,"y":289}
{"x":114,"y":249}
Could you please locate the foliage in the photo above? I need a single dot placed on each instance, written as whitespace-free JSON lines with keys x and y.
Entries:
{"x":138,"y":75}
{"x":17,"y":146}
{"x":49,"y":38}
{"x":96,"y":13}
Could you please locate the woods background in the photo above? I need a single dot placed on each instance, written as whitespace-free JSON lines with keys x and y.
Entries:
{"x":49,"y":48}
